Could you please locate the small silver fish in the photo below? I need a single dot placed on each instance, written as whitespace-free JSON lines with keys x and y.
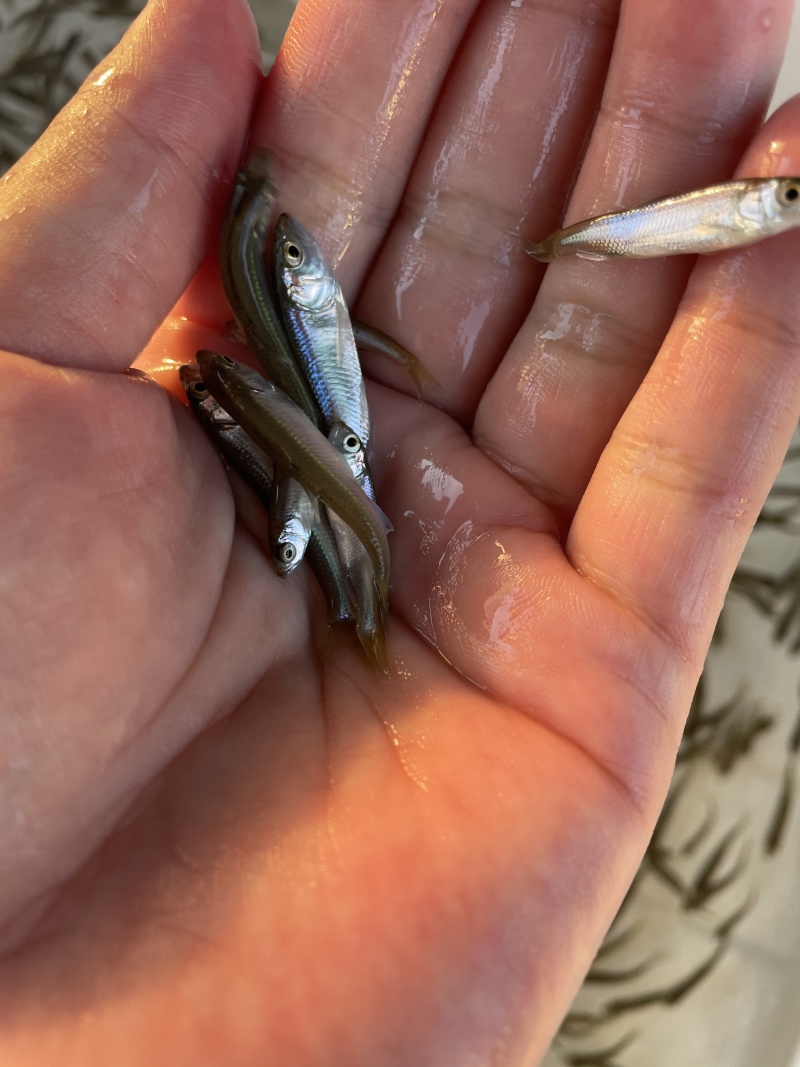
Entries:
{"x":282,"y":430}
{"x":371,"y":613}
{"x":292,"y":517}
{"x":243,"y":455}
{"x":319,"y":328}
{"x":255,"y":467}
{"x":729,"y":215}
{"x":323,"y":555}
{"x":244,"y":278}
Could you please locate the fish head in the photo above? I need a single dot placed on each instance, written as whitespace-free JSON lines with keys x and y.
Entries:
{"x":215,"y":368}
{"x":290,"y":546}
{"x":787,"y":197}
{"x":300,"y":266}
{"x":189,"y":374}
{"x":771,"y":204}
{"x":203,"y":403}
{"x":350,"y":445}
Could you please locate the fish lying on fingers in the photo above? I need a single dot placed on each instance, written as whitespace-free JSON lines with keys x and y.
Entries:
{"x":244,"y":278}
{"x":729,"y":215}
{"x":255,"y":467}
{"x":241,"y":453}
{"x":318,"y":325}
{"x":371,"y":617}
{"x":282,"y":430}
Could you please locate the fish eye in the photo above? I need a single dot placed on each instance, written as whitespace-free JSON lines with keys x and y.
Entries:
{"x":790,"y":194}
{"x":351,"y":443}
{"x":292,"y":254}
{"x":287,"y":554}
{"x":198,"y":390}
{"x":228,"y":361}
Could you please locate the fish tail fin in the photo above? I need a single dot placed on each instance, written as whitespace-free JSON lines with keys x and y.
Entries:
{"x":372,"y":338}
{"x":421,"y":376}
{"x":543,"y":251}
{"x":339,"y":634}
{"x":386,"y":522}
{"x":373,"y":641}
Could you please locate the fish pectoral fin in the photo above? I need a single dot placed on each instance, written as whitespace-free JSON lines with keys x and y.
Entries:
{"x":597,"y":257}
{"x":540,"y":252}
{"x":387,"y":522}
{"x":313,"y":514}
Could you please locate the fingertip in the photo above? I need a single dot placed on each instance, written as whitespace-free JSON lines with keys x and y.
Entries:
{"x":775,"y":150}
{"x":108,"y":216}
{"x":242,"y":24}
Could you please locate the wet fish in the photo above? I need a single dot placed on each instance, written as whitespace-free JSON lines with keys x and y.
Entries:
{"x":370,"y":610}
{"x":352,"y":448}
{"x":323,"y":555}
{"x":377,"y":341}
{"x":278,"y":426}
{"x":345,"y":441}
{"x":319,"y":328}
{"x":293,"y":514}
{"x":255,"y":467}
{"x":241,"y":453}
{"x":244,"y":277}
{"x":729,"y":215}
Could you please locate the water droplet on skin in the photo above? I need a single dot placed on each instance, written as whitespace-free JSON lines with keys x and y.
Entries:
{"x":632,"y":118}
{"x":103,"y":77}
{"x":469,"y":328}
{"x":409,"y":269}
{"x":142,"y":199}
{"x":779,"y":160}
{"x":711,"y":133}
{"x":498,"y":612}
{"x":440,"y":484}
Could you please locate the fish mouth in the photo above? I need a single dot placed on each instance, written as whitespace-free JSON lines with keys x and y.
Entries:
{"x":189,"y":373}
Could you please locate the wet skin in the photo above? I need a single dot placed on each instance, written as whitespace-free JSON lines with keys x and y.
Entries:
{"x":217,"y":849}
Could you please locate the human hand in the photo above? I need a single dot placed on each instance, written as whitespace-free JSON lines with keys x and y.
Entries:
{"x":216,"y":850}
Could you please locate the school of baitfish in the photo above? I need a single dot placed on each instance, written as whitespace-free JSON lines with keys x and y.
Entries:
{"x":300,"y":437}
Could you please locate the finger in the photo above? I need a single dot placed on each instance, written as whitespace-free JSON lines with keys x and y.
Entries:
{"x":452,"y":281}
{"x":687,"y":88}
{"x":485,"y":580}
{"x":677,"y":490}
{"x":104,"y":221}
{"x":343,"y":111}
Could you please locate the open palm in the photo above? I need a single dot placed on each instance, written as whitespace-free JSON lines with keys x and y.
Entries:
{"x":216,"y":849}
